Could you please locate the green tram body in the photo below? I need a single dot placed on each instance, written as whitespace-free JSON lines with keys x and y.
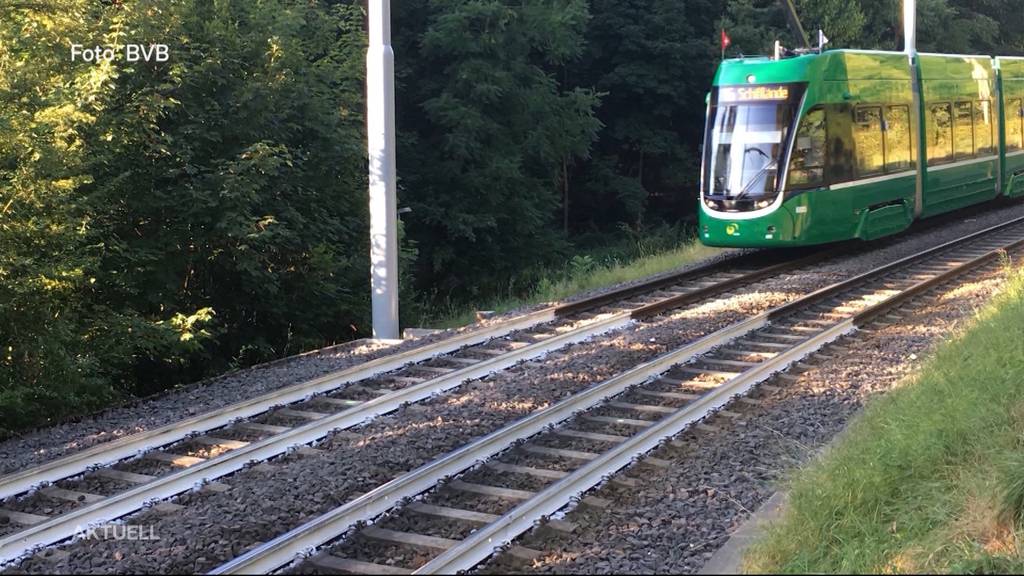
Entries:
{"x":827,"y":147}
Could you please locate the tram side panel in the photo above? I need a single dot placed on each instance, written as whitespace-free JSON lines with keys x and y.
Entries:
{"x":1011,"y":71}
{"x":960,"y":121}
{"x":883,"y":175}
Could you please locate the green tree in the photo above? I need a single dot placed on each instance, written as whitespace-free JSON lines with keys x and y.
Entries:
{"x":487,"y":129}
{"x":53,"y":338}
{"x":949,"y":26}
{"x":161,"y":221}
{"x":650,"y":64}
{"x":842,"y":21}
{"x":754,"y":26}
{"x":245,"y":192}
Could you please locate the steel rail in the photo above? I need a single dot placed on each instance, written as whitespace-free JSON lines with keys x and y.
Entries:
{"x":128,"y":446}
{"x":482,"y":543}
{"x":661,"y":306}
{"x":869,"y":315}
{"x":829,"y":291}
{"x":284,"y":548}
{"x":479,"y":545}
{"x":649,"y":286}
{"x":686,"y":275}
{"x":67,"y":524}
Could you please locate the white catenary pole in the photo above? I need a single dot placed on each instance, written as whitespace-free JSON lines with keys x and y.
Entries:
{"x":380,"y":124}
{"x":910,"y":27}
{"x":910,"y":47}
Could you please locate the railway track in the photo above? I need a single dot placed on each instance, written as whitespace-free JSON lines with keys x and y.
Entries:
{"x":119,"y":477}
{"x":452,"y":513}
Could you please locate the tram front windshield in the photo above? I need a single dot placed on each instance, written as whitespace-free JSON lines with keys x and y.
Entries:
{"x":748,"y":136}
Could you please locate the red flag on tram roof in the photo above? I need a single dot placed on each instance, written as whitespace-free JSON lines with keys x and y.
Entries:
{"x":725,"y":40}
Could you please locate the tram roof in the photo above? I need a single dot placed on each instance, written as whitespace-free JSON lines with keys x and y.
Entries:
{"x":860,"y":65}
{"x":953,"y":73}
{"x":829,"y":65}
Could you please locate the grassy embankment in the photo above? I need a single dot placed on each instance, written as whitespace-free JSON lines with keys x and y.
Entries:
{"x":583,"y":273}
{"x":931,"y":477}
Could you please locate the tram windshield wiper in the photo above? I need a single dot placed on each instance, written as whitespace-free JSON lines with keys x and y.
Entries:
{"x":774,"y":164}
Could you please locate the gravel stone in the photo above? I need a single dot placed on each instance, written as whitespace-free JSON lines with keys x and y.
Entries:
{"x":678,"y":516}
{"x":42,"y":445}
{"x":35,"y":447}
{"x":214,"y":527}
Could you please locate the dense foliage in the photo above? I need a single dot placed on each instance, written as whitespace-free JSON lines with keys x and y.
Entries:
{"x":162,"y":221}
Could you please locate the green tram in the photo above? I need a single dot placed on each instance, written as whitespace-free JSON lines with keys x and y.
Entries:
{"x":837,"y":145}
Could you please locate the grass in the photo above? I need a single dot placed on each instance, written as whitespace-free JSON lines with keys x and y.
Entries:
{"x":584,"y":273}
{"x":930,"y":477}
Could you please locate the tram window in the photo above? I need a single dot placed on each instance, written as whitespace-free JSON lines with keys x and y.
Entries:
{"x":963,"y":130}
{"x":1014,"y":129}
{"x":940,"y":133}
{"x":983,"y":124}
{"x":840,"y":143}
{"x":898,"y":153}
{"x":867,"y":137}
{"x":807,"y":162}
